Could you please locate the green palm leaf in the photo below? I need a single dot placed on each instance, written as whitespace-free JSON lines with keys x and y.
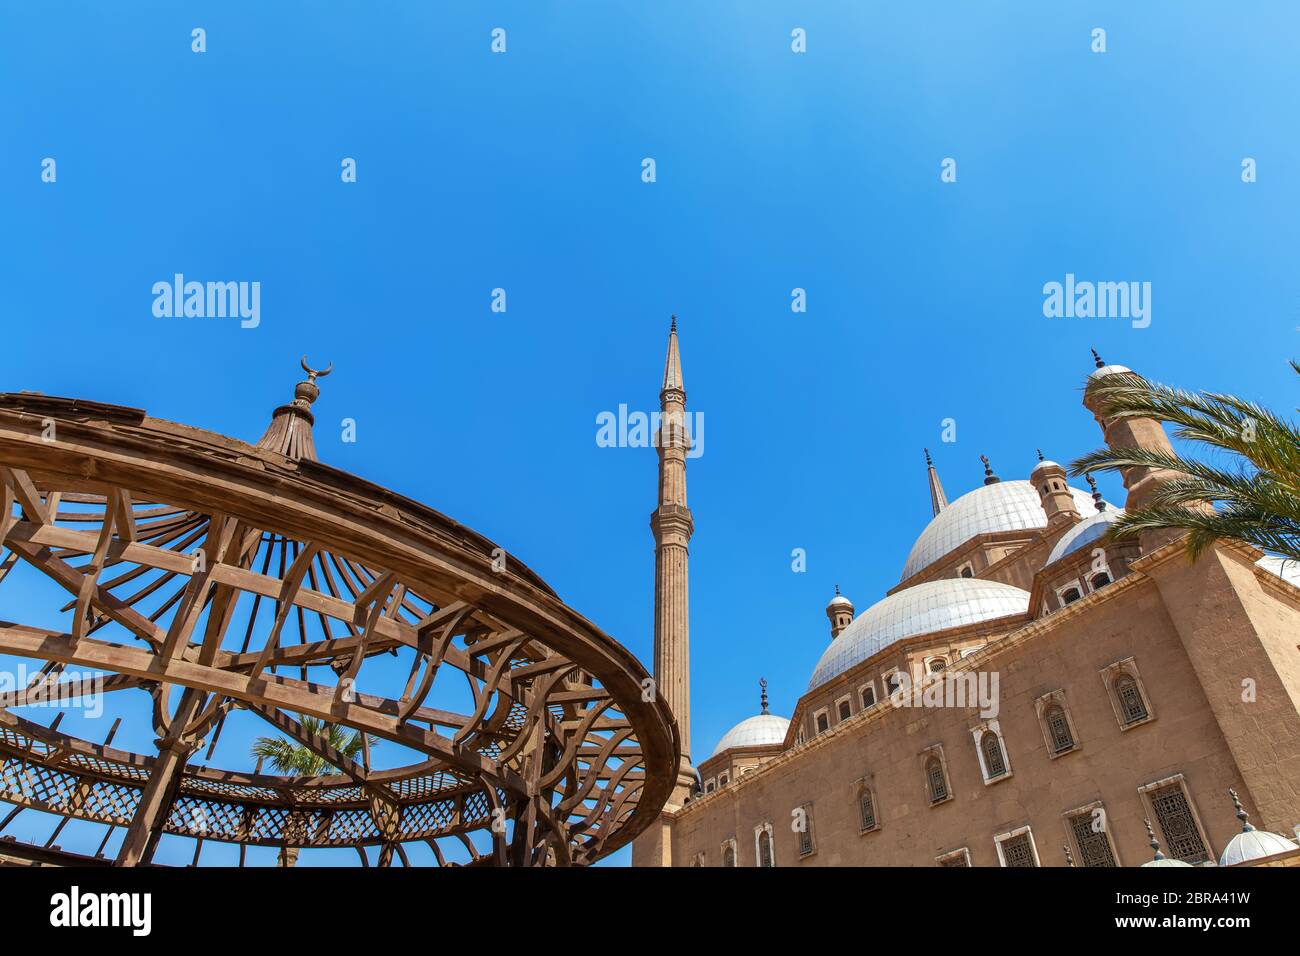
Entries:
{"x":1255,"y":498}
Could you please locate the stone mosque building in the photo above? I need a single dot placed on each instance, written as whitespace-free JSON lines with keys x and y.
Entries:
{"x":1027,"y":694}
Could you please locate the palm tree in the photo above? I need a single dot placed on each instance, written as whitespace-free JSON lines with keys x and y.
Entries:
{"x":1254,"y":498}
{"x":294,"y":759}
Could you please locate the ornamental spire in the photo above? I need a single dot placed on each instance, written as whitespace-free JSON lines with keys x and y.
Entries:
{"x":1096,"y":495}
{"x":1241,"y":812}
{"x":1097,"y":358}
{"x":989,"y":477}
{"x":938,"y":500}
{"x":1154,"y":843}
{"x":762,"y":683}
{"x":673,"y":363}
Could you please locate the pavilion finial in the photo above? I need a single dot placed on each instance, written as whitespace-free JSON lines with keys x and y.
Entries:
{"x":762,"y":684}
{"x":1097,"y":359}
{"x":1040,"y":454}
{"x":1241,"y":812}
{"x":673,"y":327}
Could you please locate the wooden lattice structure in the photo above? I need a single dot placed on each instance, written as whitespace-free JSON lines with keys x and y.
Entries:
{"x":211,"y":574}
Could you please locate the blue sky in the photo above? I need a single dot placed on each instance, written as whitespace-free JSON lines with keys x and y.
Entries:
{"x":775,"y":170}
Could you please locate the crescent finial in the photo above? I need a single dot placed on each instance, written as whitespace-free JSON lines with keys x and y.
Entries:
{"x":313,"y":374}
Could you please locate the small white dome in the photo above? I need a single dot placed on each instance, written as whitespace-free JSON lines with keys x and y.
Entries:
{"x":1109,"y":370}
{"x":840,"y":601}
{"x":1044,"y":464}
{"x":1084,"y":533}
{"x":920,"y":609}
{"x":1163,"y":860}
{"x":1254,"y":845}
{"x":1003,"y":506}
{"x":762,"y":730}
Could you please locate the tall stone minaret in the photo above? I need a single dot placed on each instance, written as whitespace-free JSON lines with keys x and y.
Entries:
{"x":672,"y":525}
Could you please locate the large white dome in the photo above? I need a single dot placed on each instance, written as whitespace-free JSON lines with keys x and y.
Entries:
{"x":921,"y":609}
{"x":758,"y":731}
{"x":1002,"y":506}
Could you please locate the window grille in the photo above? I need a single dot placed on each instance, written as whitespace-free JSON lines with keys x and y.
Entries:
{"x":866,"y":810}
{"x":765,"y":849}
{"x":1094,"y":846}
{"x":1058,"y":728}
{"x":1131,"y":704}
{"x":1017,"y":851}
{"x":992,"y":747}
{"x":729,"y":856}
{"x":934,"y":776}
{"x":1174,"y":814}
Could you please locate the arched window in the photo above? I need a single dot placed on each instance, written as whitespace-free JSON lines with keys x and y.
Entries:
{"x":992,"y":749}
{"x":866,"y":810}
{"x":1058,"y":729}
{"x":1070,"y":595}
{"x":729,"y":856}
{"x":1130,"y":699}
{"x":722,"y":780}
{"x":934,"y":780}
{"x":937,"y":665}
{"x":967,"y":572}
{"x":708,"y":787}
{"x":764,"y":848}
{"x":1100,"y":580}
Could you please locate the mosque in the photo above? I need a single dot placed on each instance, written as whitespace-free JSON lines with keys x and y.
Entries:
{"x":1027,"y":694}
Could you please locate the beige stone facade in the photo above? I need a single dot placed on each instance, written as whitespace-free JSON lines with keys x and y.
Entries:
{"x":1027,"y":696}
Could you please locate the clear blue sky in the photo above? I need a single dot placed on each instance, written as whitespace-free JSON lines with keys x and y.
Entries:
{"x":774,"y":171}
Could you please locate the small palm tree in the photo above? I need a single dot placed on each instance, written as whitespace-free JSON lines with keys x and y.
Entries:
{"x":1255,"y":499}
{"x":294,"y":759}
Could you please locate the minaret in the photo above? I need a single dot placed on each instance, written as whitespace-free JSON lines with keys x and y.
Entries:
{"x":1049,"y":480}
{"x":672,"y":525}
{"x":1144,"y":433}
{"x":840,"y":612}
{"x":938,"y":500}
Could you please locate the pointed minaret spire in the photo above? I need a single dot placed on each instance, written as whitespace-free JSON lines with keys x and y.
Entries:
{"x":290,"y":430}
{"x":989,"y":477}
{"x":938,"y":500}
{"x":1097,"y":358}
{"x":762,"y":683}
{"x":673,"y":364}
